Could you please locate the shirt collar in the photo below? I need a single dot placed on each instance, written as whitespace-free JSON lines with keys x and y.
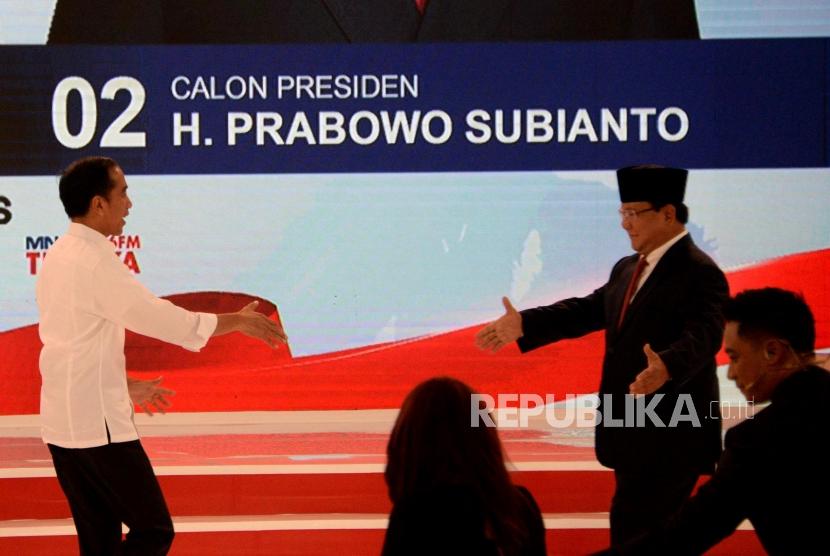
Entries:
{"x":86,"y":233}
{"x":654,"y":257}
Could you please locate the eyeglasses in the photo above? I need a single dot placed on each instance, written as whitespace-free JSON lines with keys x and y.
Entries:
{"x":631,"y":214}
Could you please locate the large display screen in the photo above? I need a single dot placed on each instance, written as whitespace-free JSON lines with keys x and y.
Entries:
{"x":383,"y":198}
{"x":29,"y":21}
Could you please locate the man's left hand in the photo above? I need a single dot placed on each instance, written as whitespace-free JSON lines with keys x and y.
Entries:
{"x":653,"y":377}
{"x":147,"y":393}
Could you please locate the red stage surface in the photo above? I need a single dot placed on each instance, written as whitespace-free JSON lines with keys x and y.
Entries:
{"x":301,"y":494}
{"x":253,"y":377}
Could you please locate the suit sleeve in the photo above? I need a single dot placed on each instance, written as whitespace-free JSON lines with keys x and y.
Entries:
{"x":712,"y":514}
{"x":106,"y":22}
{"x":703,"y":324}
{"x":658,"y":19}
{"x":569,"y":318}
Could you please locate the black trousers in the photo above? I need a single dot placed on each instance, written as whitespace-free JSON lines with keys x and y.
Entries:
{"x":110,"y":485}
{"x":645,"y":499}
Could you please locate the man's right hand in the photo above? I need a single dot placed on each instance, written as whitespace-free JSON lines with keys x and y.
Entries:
{"x":252,"y":323}
{"x":507,"y":329}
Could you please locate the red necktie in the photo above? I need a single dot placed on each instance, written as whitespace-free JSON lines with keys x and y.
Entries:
{"x":632,"y":287}
{"x":421,"y":5}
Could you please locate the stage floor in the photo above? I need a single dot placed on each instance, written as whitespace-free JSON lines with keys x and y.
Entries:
{"x":300,"y":482}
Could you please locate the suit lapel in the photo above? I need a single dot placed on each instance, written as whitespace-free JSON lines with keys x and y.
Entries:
{"x":462,"y":19}
{"x":616,"y":294}
{"x":665,"y":267}
{"x":375,"y":20}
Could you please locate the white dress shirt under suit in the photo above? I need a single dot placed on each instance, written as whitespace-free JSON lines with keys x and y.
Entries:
{"x":654,"y":257}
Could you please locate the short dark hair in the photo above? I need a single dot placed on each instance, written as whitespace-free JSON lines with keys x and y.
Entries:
{"x":681,"y":211}
{"x":779,"y":313}
{"x":82,"y":180}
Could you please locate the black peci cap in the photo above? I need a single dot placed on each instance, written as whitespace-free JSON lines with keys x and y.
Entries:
{"x":658,"y":185}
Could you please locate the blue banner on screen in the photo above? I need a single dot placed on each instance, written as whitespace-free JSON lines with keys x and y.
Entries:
{"x":380,"y":200}
{"x":407,"y":108}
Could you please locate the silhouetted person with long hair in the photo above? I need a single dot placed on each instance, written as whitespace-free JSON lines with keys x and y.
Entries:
{"x":448,"y":483}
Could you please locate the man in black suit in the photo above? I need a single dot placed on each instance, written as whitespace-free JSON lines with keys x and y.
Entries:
{"x":661,"y":312}
{"x":361,"y":21}
{"x":774,"y":462}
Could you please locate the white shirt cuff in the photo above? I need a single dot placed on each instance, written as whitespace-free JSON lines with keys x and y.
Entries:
{"x":204,"y":330}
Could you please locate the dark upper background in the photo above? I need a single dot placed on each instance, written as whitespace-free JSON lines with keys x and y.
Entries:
{"x":362,"y":21}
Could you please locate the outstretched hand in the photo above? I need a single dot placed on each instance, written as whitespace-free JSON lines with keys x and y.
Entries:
{"x":256,"y":325}
{"x":653,"y":377}
{"x":506,"y":329}
{"x":147,"y":393}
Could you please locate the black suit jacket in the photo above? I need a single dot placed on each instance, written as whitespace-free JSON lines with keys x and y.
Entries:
{"x":774,"y":464}
{"x":309,"y":21}
{"x":678,"y":312}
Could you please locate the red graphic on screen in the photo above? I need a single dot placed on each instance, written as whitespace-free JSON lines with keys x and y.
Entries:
{"x":235,"y":373}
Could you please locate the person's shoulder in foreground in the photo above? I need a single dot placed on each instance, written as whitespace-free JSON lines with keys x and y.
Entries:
{"x":450,"y":489}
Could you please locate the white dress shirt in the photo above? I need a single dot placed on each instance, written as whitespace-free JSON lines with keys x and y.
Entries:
{"x":87,"y":297}
{"x":654,"y":257}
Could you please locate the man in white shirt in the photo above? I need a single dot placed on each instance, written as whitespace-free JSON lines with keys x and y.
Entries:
{"x":661,"y":312}
{"x":87,"y":298}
